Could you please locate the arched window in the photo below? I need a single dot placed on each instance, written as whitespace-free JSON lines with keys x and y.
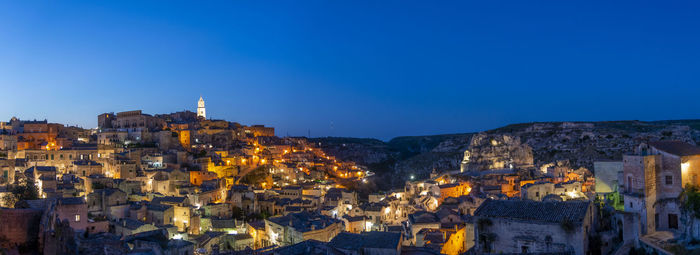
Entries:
{"x":629,"y":183}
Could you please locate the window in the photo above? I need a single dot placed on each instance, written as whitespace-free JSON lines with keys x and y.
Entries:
{"x":77,"y":218}
{"x":669,"y":180}
{"x":672,"y":221}
{"x":629,"y":183}
{"x":537,"y":194}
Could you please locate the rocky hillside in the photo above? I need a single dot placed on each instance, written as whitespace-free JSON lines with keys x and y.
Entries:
{"x":581,"y":143}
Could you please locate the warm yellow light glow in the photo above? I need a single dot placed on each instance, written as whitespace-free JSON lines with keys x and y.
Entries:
{"x":273,"y":236}
{"x":684,"y":167}
{"x":572,"y":194}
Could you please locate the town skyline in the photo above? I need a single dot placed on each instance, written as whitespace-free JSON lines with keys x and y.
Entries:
{"x":305,"y":133}
{"x":431,"y":69}
{"x":350,"y":127}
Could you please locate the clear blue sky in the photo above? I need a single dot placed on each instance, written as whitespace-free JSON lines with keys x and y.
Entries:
{"x":371,"y":68}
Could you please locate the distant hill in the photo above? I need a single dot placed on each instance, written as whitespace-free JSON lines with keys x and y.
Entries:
{"x":580,"y":142}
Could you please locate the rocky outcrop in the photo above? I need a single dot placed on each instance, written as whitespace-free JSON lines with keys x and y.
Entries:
{"x":584,"y":143}
{"x":577,"y":143}
{"x":496,"y":151}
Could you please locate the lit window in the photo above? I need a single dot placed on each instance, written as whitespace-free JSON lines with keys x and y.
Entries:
{"x":77,"y":217}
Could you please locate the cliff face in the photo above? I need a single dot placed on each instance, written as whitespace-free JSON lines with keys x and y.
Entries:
{"x":522,"y":145}
{"x":496,"y":151}
{"x":584,"y":143}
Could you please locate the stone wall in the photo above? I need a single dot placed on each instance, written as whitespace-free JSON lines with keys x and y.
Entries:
{"x":19,"y":227}
{"x":512,"y":236}
{"x":606,"y":175}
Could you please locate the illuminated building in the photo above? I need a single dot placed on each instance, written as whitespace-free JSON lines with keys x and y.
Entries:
{"x":654,"y":178}
{"x":201,"y":111}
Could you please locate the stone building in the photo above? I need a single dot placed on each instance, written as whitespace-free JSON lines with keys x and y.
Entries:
{"x":654,"y":178}
{"x":518,"y":226}
{"x":297,"y":227}
{"x":158,"y":242}
{"x":127,"y":227}
{"x":291,"y":192}
{"x":181,"y":210}
{"x":421,"y":220}
{"x":74,"y":210}
{"x":160,"y":215}
{"x":201,"y":111}
{"x":23,"y":228}
{"x":85,"y":168}
{"x":538,"y":191}
{"x":100,"y":201}
{"x":456,"y":189}
{"x":129,"y":120}
{"x":259,"y":130}
{"x":336,"y":196}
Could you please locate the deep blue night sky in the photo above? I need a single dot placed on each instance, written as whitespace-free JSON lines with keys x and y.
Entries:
{"x":373,"y":69}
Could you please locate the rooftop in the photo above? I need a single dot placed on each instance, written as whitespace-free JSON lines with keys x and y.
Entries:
{"x":546,"y":212}
{"x":676,"y":148}
{"x":376,"y":240}
{"x":130,"y":223}
{"x":71,"y":201}
{"x":304,"y":221}
{"x":169,"y":199}
{"x":158,"y":207}
{"x":423,"y":217}
{"x":308,"y":247}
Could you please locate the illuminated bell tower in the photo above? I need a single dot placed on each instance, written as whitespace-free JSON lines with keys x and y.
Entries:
{"x":200,"y":108}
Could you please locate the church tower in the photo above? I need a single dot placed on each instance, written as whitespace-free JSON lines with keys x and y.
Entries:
{"x":200,"y":108}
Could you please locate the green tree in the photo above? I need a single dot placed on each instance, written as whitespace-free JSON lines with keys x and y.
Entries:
{"x":25,"y":191}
